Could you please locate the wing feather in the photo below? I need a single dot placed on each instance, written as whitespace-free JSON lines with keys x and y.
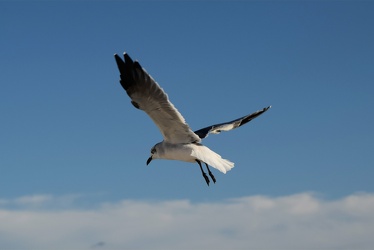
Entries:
{"x":226,"y":126}
{"x":148,"y":96}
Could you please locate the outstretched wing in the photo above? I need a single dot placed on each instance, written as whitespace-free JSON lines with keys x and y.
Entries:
{"x":148,"y":96}
{"x":216,"y":129}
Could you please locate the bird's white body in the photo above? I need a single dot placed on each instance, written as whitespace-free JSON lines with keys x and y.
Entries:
{"x":190,"y":152}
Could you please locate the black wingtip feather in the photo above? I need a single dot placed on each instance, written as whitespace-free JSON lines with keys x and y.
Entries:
{"x":137,"y":65}
{"x":127,"y":58}
{"x":253,"y":116}
{"x":120,"y":63}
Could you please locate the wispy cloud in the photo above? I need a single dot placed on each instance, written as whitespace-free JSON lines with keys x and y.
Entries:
{"x":40,"y":201}
{"x":34,"y":200}
{"x":300,"y":221}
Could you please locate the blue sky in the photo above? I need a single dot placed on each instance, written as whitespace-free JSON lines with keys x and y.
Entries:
{"x":71,"y":139}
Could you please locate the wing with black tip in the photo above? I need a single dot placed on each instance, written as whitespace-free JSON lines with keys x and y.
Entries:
{"x":226,"y":126}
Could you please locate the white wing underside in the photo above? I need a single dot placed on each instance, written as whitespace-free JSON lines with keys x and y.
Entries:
{"x":148,"y":96}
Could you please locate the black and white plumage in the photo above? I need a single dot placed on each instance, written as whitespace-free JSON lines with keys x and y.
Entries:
{"x":180,"y":142}
{"x":226,"y":126}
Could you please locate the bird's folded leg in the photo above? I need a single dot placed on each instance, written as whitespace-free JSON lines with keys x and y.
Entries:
{"x":210,"y":173}
{"x":204,"y":174}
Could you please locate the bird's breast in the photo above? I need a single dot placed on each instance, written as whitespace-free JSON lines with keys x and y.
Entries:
{"x":180,"y":152}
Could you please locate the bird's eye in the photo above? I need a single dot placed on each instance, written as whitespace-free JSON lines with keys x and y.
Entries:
{"x":153,"y":150}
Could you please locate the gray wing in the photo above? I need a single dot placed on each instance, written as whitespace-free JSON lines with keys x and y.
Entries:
{"x":148,"y":96}
{"x":216,"y":129}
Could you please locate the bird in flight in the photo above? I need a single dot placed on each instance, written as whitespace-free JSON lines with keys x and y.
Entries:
{"x":180,"y":142}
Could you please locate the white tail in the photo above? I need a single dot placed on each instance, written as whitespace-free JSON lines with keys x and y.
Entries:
{"x":212,"y":158}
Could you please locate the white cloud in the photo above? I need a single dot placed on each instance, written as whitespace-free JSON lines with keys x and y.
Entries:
{"x":40,"y":202}
{"x":301,"y":221}
{"x":34,"y":200}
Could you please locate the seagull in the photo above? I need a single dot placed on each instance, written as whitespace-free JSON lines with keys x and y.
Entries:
{"x":180,"y":142}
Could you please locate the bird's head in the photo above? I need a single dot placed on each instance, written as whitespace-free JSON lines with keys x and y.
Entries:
{"x":154,"y":153}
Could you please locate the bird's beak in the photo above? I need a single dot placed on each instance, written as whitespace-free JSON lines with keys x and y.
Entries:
{"x":149,"y":160}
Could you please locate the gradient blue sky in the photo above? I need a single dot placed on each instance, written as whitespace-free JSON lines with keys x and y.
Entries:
{"x":73,"y":149}
{"x":67,"y":126}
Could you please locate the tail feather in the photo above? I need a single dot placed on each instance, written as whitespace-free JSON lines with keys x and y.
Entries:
{"x":213,"y":159}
